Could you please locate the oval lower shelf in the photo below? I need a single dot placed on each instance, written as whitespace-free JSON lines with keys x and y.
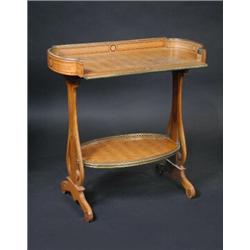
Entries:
{"x":127,"y":150}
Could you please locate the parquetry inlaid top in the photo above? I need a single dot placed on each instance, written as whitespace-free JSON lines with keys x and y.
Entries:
{"x":115,"y":58}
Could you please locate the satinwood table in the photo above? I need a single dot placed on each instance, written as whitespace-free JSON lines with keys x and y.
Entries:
{"x":118,"y":58}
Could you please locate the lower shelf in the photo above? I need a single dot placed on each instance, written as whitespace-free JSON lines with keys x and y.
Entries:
{"x":127,"y":150}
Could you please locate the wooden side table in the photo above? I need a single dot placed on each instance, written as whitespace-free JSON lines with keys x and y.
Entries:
{"x":116,"y":58}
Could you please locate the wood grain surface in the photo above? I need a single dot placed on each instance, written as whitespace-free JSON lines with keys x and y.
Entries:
{"x":116,"y":58}
{"x":127,"y":150}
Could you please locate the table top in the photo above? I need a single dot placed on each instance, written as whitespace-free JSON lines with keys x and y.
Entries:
{"x":116,"y":58}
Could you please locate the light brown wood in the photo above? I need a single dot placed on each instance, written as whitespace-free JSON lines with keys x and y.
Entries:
{"x":127,"y":150}
{"x":75,"y":180}
{"x":175,"y":131}
{"x":77,"y":193}
{"x":106,"y":59}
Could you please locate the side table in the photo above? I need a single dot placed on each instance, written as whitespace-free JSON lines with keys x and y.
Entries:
{"x":117,"y":58}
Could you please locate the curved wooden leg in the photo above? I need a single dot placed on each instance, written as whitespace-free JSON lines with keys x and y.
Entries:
{"x":74,"y":182}
{"x":175,"y":130}
{"x":77,"y":193}
{"x":180,"y":176}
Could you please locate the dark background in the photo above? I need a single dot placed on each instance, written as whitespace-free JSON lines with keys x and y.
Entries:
{"x":135,"y":207}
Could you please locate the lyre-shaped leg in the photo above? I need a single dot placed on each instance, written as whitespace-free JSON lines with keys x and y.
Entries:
{"x":74,"y":182}
{"x":175,"y":130}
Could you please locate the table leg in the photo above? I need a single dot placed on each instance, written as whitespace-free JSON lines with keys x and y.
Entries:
{"x":175,"y":131}
{"x":74,"y":182}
